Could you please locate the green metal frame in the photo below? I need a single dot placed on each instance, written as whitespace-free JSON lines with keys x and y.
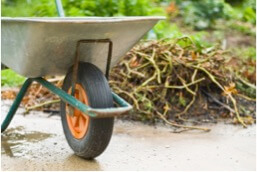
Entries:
{"x":87,"y":110}
{"x":16,"y":104}
{"x":60,"y":11}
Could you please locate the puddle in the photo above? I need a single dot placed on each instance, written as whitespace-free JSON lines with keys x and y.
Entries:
{"x":14,"y":140}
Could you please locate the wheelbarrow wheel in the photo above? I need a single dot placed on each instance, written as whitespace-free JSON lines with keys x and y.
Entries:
{"x":88,"y":137}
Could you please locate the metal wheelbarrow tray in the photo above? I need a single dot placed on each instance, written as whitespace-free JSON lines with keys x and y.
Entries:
{"x":83,"y":49}
{"x":35,"y":47}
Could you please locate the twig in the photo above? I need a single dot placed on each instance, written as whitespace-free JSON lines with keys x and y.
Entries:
{"x":181,"y":126}
{"x":142,"y":66}
{"x":237,"y":113}
{"x":148,"y":80}
{"x":193,"y":99}
{"x":55,"y":79}
{"x":132,"y":71}
{"x":186,"y":87}
{"x":183,"y":86}
{"x":210,"y":76}
{"x":229,"y":95}
{"x":218,"y":102}
{"x":189,"y":105}
{"x":246,"y":97}
{"x":245,"y":82}
{"x":118,"y":91}
{"x":41,"y":105}
{"x":39,"y":89}
{"x":151,"y":60}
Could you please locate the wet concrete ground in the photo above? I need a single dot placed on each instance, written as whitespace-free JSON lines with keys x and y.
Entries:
{"x":36,"y":142}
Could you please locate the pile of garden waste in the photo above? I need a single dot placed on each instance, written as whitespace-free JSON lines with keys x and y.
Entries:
{"x":175,"y":82}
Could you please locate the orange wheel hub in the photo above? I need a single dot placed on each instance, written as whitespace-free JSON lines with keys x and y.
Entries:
{"x":78,"y":122}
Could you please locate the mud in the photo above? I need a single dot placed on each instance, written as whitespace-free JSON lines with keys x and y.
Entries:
{"x":36,"y":142}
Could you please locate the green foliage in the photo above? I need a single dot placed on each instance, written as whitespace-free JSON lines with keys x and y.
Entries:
{"x":40,"y":8}
{"x":134,"y":7}
{"x":10,"y":78}
{"x":249,"y":15}
{"x":250,"y":52}
{"x":246,"y":90}
{"x":246,"y":53}
{"x":15,"y":8}
{"x":182,"y":100}
{"x":44,"y":8}
{"x":243,"y":17}
{"x":245,"y":11}
{"x":199,"y":41}
{"x":164,"y":30}
{"x":250,"y":3}
{"x":101,"y":8}
{"x":243,"y":28}
{"x":202,"y":14}
{"x":90,"y":7}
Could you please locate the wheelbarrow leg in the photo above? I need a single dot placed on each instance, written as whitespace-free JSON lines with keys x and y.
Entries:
{"x":16,"y":104}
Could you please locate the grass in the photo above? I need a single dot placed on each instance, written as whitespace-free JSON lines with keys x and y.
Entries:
{"x":245,"y":53}
{"x":21,"y":9}
{"x":11,"y":79}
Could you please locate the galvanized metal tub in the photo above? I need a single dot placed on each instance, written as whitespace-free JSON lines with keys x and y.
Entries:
{"x":35,"y":47}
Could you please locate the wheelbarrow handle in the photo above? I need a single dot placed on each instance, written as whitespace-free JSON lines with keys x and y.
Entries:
{"x":59,"y":8}
{"x":123,"y":108}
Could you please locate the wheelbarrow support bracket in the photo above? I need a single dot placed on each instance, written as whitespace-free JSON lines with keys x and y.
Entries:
{"x":76,"y":59}
{"x":87,"y":110}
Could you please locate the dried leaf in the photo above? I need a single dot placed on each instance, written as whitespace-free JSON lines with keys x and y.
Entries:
{"x":134,"y":62}
{"x":166,"y":107}
{"x":231,"y":89}
{"x":247,"y":120}
{"x":194,"y":55}
{"x":8,"y":94}
{"x":171,"y":8}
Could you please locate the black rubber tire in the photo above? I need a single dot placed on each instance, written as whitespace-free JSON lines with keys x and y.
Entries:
{"x":99,"y":94}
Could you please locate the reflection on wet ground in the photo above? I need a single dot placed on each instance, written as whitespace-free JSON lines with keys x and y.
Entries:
{"x":14,"y":140}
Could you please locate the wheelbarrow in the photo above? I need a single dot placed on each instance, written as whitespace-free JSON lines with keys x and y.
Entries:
{"x":83,"y":48}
